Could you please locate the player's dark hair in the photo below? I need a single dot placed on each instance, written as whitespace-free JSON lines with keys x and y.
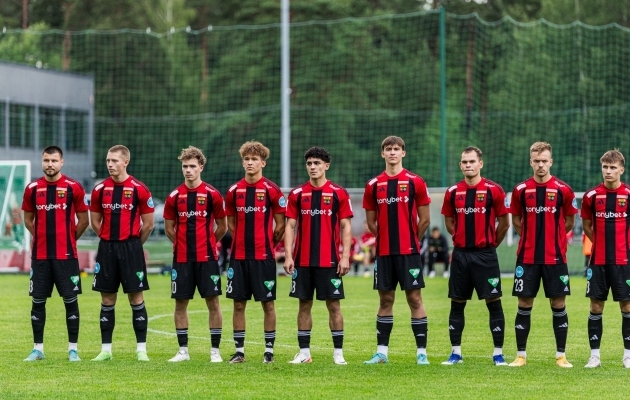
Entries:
{"x":612,"y":157}
{"x":477,"y":150}
{"x":391,"y":141}
{"x":435,"y":228}
{"x":317,"y":152}
{"x":53,"y":150}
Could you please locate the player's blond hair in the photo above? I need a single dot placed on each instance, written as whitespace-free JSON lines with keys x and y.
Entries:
{"x":254,"y":148}
{"x":391,"y":141}
{"x":612,"y":157}
{"x":539,"y":147}
{"x":473,"y":149}
{"x":192,"y":152}
{"x":123,"y":150}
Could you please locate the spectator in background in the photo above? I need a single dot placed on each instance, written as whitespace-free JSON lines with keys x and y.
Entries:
{"x":367,"y":242}
{"x":438,"y":251}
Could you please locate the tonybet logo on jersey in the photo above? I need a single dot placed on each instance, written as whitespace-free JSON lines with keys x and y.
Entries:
{"x":611,"y":215}
{"x":117,"y":206}
{"x":189,"y":214}
{"x":48,"y":207}
{"x":317,"y":212}
{"x":391,"y":200}
{"x":539,"y":210}
{"x":249,"y":209}
{"x":471,"y":210}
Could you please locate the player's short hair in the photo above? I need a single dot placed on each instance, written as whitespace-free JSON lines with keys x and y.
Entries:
{"x":612,"y":157}
{"x":317,"y":152}
{"x":435,"y":228}
{"x":53,"y":150}
{"x":471,"y":149}
{"x":192,"y":152}
{"x":254,"y":148}
{"x":123,"y":150}
{"x":391,"y":141}
{"x":539,"y":147}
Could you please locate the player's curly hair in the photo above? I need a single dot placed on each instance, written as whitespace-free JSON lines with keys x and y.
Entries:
{"x":612,"y":157}
{"x":317,"y":152}
{"x":192,"y":152}
{"x":391,"y":141}
{"x":539,"y":147}
{"x":254,"y":148}
{"x":123,"y":150}
{"x":471,"y":149}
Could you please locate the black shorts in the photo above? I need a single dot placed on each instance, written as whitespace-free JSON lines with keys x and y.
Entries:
{"x":476,"y":269}
{"x":305,"y":280}
{"x":120,"y":263}
{"x":247,"y":278}
{"x":600,"y":278}
{"x":389,"y":271}
{"x":555,"y":279}
{"x":64,"y":274}
{"x":205,"y":276}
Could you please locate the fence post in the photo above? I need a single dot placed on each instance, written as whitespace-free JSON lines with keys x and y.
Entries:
{"x":443,"y":90}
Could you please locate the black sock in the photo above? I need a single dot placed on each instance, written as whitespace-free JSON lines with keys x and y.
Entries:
{"x":38,"y":319}
{"x":625,"y":330}
{"x":497,"y":322}
{"x":456,"y":323}
{"x":560,"y":327}
{"x":419,"y":327}
{"x":140,"y":323}
{"x":72,"y":318}
{"x":215,"y":337}
{"x":384,"y":327}
{"x":337,"y":338}
{"x":595,"y":330}
{"x":108,"y":321}
{"x":270,"y":340}
{"x":304,"y":339}
{"x":522,"y":324}
{"x":182,"y":337}
{"x":239,"y":339}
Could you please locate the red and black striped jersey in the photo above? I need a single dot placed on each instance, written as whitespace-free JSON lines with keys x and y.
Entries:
{"x":396,"y":199}
{"x":253,"y":207}
{"x":194,"y":212}
{"x":318,"y":212}
{"x":608,"y":211}
{"x":543,"y":208}
{"x":54,"y":205}
{"x":474,"y":210}
{"x":121,"y":205}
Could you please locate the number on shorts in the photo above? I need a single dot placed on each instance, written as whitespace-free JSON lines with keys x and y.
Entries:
{"x":293,"y":287}
{"x":30,"y":286}
{"x":588,"y":286}
{"x":173,"y":287}
{"x":518,"y":285}
{"x":228,"y":288}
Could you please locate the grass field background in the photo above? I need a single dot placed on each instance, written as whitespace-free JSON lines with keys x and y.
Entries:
{"x":124,"y":377}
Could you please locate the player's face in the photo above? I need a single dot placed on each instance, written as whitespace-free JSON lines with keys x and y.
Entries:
{"x":51,"y":164}
{"x":191,"y":170}
{"x":316,"y":168}
{"x":612,"y":172}
{"x":253,"y":164}
{"x":393,"y":154}
{"x":470,"y":164}
{"x":541,"y":163}
{"x":116,"y":163}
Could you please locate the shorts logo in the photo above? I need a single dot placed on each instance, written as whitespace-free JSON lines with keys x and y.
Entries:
{"x":230,"y":273}
{"x":519,"y":271}
{"x":282,"y":202}
{"x":215,"y":278}
{"x":621,"y":202}
{"x":97,"y":267}
{"x":150,"y":202}
{"x":326,"y":199}
{"x":294,"y":274}
{"x":336,"y":283}
{"x":565,"y":279}
{"x":414,"y":272}
{"x":403,"y":187}
{"x":201,"y":201}
{"x":173,"y":275}
{"x":127,"y":194}
{"x":589,"y":274}
{"x":75,"y":280}
{"x":140,"y":275}
{"x":260,"y":196}
{"x":628,"y":282}
{"x":61,"y":194}
{"x":551,"y":196}
{"x":494,"y":282}
{"x":269,"y":284}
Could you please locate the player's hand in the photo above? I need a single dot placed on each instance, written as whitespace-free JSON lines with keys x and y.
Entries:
{"x":343,"y":267}
{"x":289,"y":265}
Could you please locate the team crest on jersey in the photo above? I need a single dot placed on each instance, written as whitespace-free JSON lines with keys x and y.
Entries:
{"x":403,"y":187}
{"x":551,"y":196}
{"x":61,"y":193}
{"x":621,"y":202}
{"x":201,"y":200}
{"x":260,"y":196}
{"x":481,"y":196}
{"x":127,"y":194}
{"x":326,"y":199}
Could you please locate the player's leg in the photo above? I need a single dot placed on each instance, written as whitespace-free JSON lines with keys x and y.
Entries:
{"x":460,"y":288}
{"x":556,"y":283}
{"x":525,"y":288}
{"x":66,"y":275}
{"x":419,"y":324}
{"x":140,"y":323}
{"x":215,"y":324}
{"x":385,"y":281}
{"x":40,"y":289}
{"x":180,"y":317}
{"x":269,"y":323}
{"x":238,"y":289}
{"x":263,"y":286}
{"x":329,"y":286}
{"x":238,"y":326}
{"x":618,"y":276}
{"x":597,"y":290}
{"x":107,"y":324}
{"x":106,"y":281}
{"x":302,"y":288}
{"x":208,"y":281}
{"x":625,"y":331}
{"x":335,"y":323}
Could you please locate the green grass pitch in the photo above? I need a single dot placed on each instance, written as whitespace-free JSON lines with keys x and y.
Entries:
{"x":124,"y":377}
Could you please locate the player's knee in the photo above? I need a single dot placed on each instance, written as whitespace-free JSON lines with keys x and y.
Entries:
{"x":268,"y":307}
{"x":597,"y":306}
{"x":71,"y":303}
{"x":334,"y":306}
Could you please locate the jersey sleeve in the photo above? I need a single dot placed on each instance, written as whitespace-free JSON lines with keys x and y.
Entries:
{"x":79,"y":200}
{"x":499,"y":204}
{"x":447,"y":205}
{"x":516,"y":208}
{"x":170,"y":210}
{"x":95,"y":199}
{"x":218,"y":205}
{"x":587,"y":206}
{"x":368,"y":196}
{"x":146,"y":201}
{"x":422,"y":197}
{"x":345,"y":205}
{"x":230,"y":208}
{"x":27,"y":205}
{"x":570,"y":203}
{"x":278,"y":201}
{"x":292,"y":206}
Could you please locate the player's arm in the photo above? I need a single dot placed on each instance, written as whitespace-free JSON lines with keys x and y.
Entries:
{"x":587,"y":225}
{"x":147,"y":226}
{"x":370,"y":218}
{"x":289,"y":236}
{"x":230,"y":222}
{"x":569,"y":222}
{"x":502,"y":228}
{"x":169,"y":229}
{"x":517,"y":223}
{"x":29,"y":222}
{"x":278,"y":230}
{"x":219,"y":232}
{"x":424,"y":219}
{"x":96,"y":219}
{"x":346,"y":239}
{"x":82,"y":223}
{"x":449,"y":222}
